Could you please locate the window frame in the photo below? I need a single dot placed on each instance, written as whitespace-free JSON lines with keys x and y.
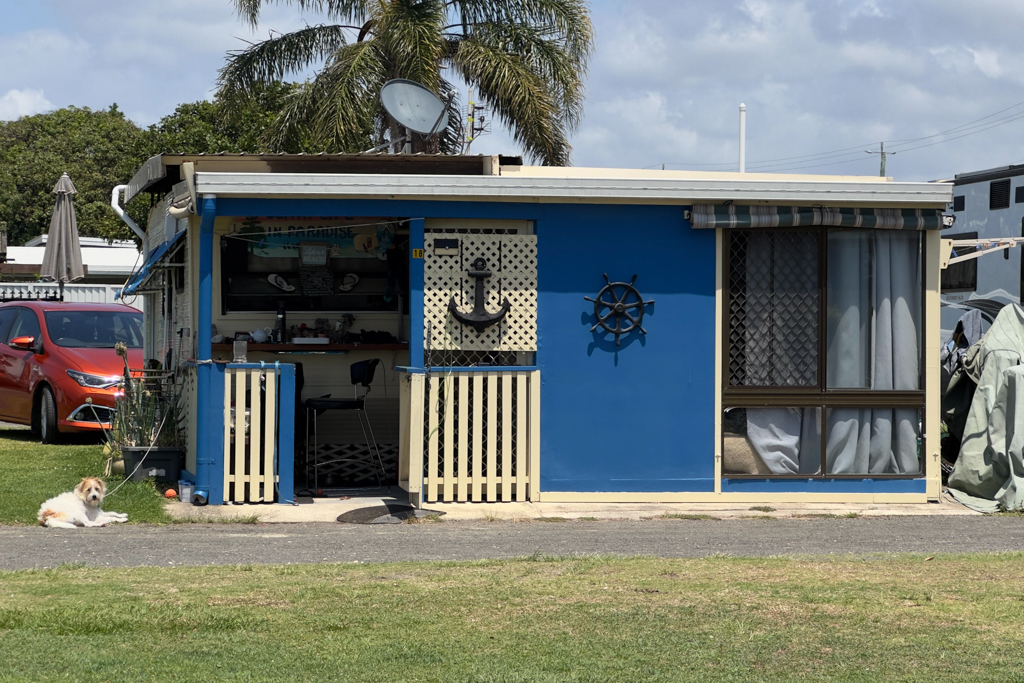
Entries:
{"x":819,"y":396}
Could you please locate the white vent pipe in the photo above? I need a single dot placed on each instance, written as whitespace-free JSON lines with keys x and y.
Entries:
{"x":115,"y":204}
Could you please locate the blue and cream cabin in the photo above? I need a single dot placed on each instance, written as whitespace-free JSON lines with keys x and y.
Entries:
{"x":545,"y":334}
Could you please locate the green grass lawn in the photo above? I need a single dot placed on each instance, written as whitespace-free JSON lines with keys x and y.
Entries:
{"x":906,"y":618}
{"x":31,"y":472}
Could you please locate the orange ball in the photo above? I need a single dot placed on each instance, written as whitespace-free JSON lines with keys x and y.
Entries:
{"x":171,"y":493}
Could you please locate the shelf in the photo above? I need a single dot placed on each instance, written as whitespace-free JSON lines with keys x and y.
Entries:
{"x":313,"y":348}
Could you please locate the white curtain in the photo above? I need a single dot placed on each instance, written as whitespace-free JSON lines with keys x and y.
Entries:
{"x":873,"y":339}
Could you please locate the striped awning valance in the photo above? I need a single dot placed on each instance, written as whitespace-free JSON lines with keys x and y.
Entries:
{"x":740,"y":216}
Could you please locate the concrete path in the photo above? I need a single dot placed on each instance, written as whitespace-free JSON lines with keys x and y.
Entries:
{"x":328,"y":510}
{"x":214,"y":544}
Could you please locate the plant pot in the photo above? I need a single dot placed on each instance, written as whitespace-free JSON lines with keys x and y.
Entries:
{"x":162,"y":463}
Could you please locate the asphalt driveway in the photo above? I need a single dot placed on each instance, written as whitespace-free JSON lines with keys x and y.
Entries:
{"x":212,"y":544}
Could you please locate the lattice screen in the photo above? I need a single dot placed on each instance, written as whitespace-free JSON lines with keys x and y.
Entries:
{"x":512,"y":260}
{"x":773,"y":308}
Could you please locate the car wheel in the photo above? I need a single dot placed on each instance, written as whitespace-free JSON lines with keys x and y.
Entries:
{"x":48,"y":417}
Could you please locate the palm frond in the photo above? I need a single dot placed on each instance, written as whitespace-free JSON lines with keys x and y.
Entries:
{"x":518,"y":96}
{"x":275,"y":58}
{"x":335,"y":10}
{"x":544,"y":56}
{"x":568,"y":19}
{"x":410,"y":36}
{"x":335,"y":112}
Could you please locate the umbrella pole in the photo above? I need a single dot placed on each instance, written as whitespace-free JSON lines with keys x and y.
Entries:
{"x":61,"y":290}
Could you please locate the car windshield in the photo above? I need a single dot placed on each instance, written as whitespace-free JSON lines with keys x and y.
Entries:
{"x":94,"y":329}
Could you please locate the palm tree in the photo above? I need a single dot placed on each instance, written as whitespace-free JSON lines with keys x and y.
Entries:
{"x":526,"y":58}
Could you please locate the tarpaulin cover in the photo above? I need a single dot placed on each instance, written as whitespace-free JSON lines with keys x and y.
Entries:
{"x":989,"y":473}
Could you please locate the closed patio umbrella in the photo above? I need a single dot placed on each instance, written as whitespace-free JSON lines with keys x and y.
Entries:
{"x":62,"y":259}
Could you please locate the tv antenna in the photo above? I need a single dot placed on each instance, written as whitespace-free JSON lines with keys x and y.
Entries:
{"x":414,"y":108}
{"x":476,"y":122}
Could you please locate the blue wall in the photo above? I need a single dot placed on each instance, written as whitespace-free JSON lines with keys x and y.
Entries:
{"x":639,"y":417}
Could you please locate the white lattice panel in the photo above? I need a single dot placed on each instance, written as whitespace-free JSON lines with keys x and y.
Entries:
{"x":512,"y":260}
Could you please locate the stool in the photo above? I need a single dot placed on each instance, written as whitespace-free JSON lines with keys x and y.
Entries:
{"x":361,"y":374}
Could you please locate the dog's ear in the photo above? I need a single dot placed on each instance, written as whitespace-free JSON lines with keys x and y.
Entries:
{"x":81,"y":486}
{"x":103,"y":486}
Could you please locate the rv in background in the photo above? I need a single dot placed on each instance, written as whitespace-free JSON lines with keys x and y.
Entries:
{"x":987,"y":204}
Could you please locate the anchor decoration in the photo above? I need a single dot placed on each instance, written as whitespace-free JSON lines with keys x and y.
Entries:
{"x":618,"y":306}
{"x":479,"y":319}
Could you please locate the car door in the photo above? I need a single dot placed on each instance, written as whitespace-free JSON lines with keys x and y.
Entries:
{"x":7,"y":316}
{"x":20,"y":366}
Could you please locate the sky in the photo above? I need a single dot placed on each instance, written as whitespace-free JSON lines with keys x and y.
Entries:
{"x":940,"y":82}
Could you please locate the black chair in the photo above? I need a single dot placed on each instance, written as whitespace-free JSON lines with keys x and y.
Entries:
{"x":361,"y":374}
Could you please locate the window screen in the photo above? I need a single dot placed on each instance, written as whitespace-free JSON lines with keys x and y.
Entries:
{"x":773,"y":308}
{"x":999,"y":194}
{"x":958,"y":203}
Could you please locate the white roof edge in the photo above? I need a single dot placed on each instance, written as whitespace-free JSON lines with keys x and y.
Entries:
{"x":821,"y":190}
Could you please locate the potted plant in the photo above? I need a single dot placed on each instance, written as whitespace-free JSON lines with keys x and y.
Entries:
{"x":145,"y":427}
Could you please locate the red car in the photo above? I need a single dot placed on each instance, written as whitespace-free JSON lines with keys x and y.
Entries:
{"x":54,"y":356}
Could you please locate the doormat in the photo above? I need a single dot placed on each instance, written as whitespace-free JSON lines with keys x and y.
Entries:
{"x":392,"y":513}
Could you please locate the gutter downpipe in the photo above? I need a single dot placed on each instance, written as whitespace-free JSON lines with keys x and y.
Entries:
{"x":115,"y":204}
{"x":207,"y":439}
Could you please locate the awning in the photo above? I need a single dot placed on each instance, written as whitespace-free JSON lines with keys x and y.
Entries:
{"x":143,"y":273}
{"x":741,"y":216}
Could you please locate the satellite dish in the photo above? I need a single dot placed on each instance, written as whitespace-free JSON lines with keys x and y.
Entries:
{"x":414,"y":107}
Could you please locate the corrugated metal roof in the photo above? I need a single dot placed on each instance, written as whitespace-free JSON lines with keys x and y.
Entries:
{"x":161,"y":172}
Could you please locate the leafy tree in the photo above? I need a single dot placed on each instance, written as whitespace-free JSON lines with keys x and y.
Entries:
{"x":98,"y":149}
{"x":237,"y":122}
{"x":526,"y":58}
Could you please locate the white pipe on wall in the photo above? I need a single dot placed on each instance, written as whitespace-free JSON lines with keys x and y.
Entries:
{"x":115,"y":204}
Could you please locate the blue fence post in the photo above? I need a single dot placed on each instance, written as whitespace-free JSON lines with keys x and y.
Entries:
{"x":210,"y":433}
{"x":216,"y":421}
{"x":286,"y":436}
{"x":416,"y":292}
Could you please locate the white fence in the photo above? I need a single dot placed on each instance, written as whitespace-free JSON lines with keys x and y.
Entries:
{"x":75,"y":293}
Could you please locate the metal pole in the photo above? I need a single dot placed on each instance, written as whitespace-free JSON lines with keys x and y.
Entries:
{"x":743,"y":138}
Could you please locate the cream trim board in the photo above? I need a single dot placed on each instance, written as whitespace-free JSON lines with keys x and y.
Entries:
{"x":932,"y":339}
{"x":708,"y":497}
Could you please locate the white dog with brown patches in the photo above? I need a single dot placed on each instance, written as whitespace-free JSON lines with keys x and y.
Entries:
{"x":80,"y":507}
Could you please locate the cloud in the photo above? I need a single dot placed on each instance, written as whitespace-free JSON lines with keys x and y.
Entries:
{"x":987,"y":62}
{"x":666,"y":78}
{"x":17,"y":103}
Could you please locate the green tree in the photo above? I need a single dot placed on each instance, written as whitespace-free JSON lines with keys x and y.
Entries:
{"x":238,"y":122}
{"x":98,"y":149}
{"x":526,"y":58}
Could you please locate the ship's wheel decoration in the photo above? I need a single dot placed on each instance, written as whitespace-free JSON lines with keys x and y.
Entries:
{"x":619,"y":302}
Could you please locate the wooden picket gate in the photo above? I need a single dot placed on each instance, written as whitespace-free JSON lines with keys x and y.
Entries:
{"x":471,"y":434}
{"x":250,"y":433}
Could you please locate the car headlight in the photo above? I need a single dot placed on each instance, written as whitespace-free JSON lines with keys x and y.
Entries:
{"x":94,"y":381}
